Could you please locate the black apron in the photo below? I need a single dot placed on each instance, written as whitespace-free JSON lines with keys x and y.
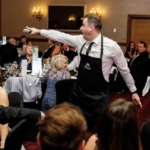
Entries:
{"x":90,"y":91}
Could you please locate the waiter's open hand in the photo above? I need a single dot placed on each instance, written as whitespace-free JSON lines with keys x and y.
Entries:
{"x":136,"y":99}
{"x":33,"y":30}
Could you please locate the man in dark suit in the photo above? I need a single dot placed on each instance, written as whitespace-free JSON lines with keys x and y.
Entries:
{"x":137,"y":65}
{"x":23,"y":41}
{"x":68,"y":51}
{"x":49,"y":50}
{"x":8,"y":52}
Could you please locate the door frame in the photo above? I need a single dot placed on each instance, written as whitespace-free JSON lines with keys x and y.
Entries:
{"x":129,"y":24}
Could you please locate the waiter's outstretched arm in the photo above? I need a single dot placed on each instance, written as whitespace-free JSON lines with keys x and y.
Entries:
{"x":33,"y":30}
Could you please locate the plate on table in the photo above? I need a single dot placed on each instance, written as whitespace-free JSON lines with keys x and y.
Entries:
{"x":3,"y":69}
{"x":28,"y":71}
{"x":73,"y":77}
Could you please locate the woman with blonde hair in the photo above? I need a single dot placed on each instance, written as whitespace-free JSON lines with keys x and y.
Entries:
{"x":57,"y":72}
{"x":56,"y":50}
{"x":117,"y":128}
{"x":28,"y":56}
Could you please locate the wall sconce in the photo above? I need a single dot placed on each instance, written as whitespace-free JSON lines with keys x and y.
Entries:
{"x":37,"y":13}
{"x":97,"y":12}
{"x":71,"y":18}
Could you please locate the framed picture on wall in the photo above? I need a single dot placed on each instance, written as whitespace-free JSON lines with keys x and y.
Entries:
{"x":66,"y":17}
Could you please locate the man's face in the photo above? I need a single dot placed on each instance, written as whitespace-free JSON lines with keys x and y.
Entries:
{"x":132,"y":46}
{"x":148,"y":49}
{"x":65,"y":47}
{"x":29,"y":50}
{"x":141,"y":48}
{"x":57,"y":49}
{"x":13,"y":41}
{"x":23,"y":40}
{"x":85,"y":28}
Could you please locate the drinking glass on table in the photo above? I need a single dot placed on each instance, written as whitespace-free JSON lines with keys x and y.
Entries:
{"x":46,"y":64}
{"x":19,"y":50}
{"x":14,"y":65}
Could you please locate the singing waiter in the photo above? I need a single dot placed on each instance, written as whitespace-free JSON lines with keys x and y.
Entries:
{"x":97,"y":54}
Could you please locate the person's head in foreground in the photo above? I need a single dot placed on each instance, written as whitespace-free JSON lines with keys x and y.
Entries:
{"x":62,"y":128}
{"x":117,"y":128}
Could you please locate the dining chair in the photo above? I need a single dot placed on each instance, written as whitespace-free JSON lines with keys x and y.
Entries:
{"x":2,"y":79}
{"x":16,"y":136}
{"x":145,"y":135}
{"x":63,"y":89}
{"x":15,"y":99}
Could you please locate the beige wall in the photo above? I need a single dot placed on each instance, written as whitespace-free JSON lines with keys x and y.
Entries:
{"x":16,"y":14}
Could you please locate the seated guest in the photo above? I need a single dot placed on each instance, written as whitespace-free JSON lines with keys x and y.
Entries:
{"x":64,"y":47}
{"x":49,"y":50}
{"x":69,"y":52}
{"x":31,"y":43}
{"x":39,"y":52}
{"x":62,"y":128}
{"x":57,"y":72}
{"x":137,"y":65}
{"x":130,"y":52}
{"x":138,"y":44}
{"x":27,"y":56}
{"x":8,"y":113}
{"x":117,"y":128}
{"x":72,"y":52}
{"x":56,"y":50}
{"x":23,"y":42}
{"x":9,"y":52}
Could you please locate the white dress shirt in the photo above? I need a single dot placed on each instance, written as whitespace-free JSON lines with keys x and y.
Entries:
{"x":112,"y":53}
{"x":74,"y":63}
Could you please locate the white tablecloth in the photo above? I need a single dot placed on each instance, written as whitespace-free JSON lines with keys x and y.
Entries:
{"x":146,"y":87}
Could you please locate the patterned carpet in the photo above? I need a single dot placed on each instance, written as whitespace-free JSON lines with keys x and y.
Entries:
{"x":143,"y":114}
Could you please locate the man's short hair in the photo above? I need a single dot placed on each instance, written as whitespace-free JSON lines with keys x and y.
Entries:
{"x":95,"y":20}
{"x":62,"y":128}
{"x":23,"y":36}
{"x":144,"y":44}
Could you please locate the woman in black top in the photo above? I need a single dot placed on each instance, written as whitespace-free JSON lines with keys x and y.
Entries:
{"x":130,"y":52}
